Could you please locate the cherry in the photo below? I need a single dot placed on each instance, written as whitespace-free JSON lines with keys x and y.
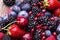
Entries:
{"x":1,"y":35}
{"x":22,"y":21}
{"x":15,"y":32}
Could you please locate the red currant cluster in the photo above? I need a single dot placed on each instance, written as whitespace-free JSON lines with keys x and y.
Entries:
{"x":31,"y":20}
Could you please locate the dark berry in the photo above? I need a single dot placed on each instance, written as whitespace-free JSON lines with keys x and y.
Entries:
{"x":9,"y":2}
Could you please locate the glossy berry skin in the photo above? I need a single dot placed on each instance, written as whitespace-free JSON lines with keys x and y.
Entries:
{"x":5,"y":18}
{"x":58,"y":29}
{"x":15,"y":31}
{"x":9,"y":2}
{"x":51,"y":4}
{"x":51,"y":38}
{"x":16,"y":8}
{"x":1,"y":20}
{"x":57,"y":12}
{"x":23,"y":13}
{"x":27,"y":36}
{"x":1,"y":35}
{"x":26,"y":6}
{"x":12,"y":13}
{"x":22,"y":21}
{"x":47,"y":14}
{"x":18,"y":3}
{"x":58,"y":37}
{"x":48,"y":33}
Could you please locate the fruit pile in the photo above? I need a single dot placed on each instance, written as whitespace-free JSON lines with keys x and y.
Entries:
{"x":31,"y":20}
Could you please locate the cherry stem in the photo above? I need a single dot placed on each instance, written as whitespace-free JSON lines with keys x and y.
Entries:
{"x":8,"y":25}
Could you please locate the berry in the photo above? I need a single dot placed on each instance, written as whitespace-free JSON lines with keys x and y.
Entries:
{"x":57,"y":12}
{"x":18,"y":3}
{"x":15,"y":31}
{"x":12,"y":15}
{"x":37,"y":35}
{"x":23,"y":13}
{"x":58,"y":29}
{"x":5,"y":18}
{"x":9,"y":2}
{"x":48,"y":33}
{"x":50,"y":4}
{"x":22,"y":21}
{"x":27,"y":36}
{"x":47,"y":14}
{"x":6,"y":37}
{"x":58,"y":37}
{"x":26,"y":6}
{"x":16,"y":8}
{"x":1,"y":35}
{"x":51,"y":38}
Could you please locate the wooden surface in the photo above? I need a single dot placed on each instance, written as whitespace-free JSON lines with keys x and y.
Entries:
{"x":3,"y":8}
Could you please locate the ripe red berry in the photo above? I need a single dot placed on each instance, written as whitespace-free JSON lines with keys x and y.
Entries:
{"x":15,"y":31}
{"x":51,"y":38}
{"x":57,"y":12}
{"x":22,"y":21}
{"x":27,"y":36}
{"x":1,"y":35}
{"x":52,"y":18}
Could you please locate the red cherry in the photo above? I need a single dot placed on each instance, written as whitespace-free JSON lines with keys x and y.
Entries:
{"x":27,"y":36}
{"x":52,"y":18}
{"x":1,"y":35}
{"x":22,"y":21}
{"x":15,"y":32}
{"x":57,"y":12}
{"x":51,"y":38}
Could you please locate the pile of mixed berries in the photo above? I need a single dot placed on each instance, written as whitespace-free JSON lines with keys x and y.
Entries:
{"x":31,"y":20}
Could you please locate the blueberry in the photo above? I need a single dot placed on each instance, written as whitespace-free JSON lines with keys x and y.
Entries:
{"x":18,"y":3}
{"x":23,"y":13}
{"x":16,"y":8}
{"x":12,"y":13}
{"x":47,"y":13}
{"x":48,"y":33}
{"x":58,"y":37}
{"x":1,"y":19}
{"x":26,"y":6}
{"x":5,"y":18}
{"x":12,"y":16}
{"x":58,"y":29}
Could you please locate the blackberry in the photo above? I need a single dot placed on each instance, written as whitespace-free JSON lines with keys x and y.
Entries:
{"x":37,"y":35}
{"x":9,"y":2}
{"x":35,"y":1}
{"x":36,"y":10}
